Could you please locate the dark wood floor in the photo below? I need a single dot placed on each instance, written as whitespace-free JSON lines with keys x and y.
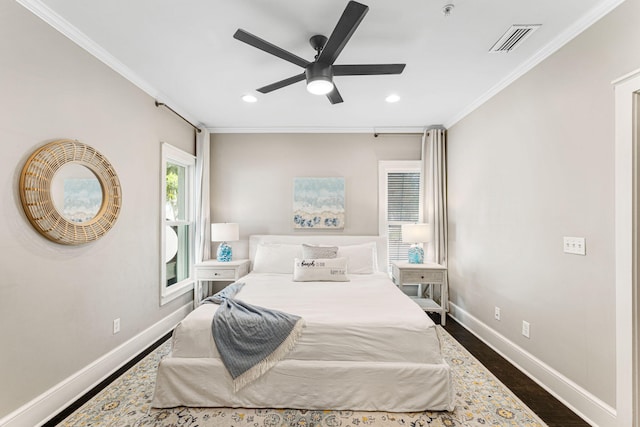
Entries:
{"x":547,"y":407}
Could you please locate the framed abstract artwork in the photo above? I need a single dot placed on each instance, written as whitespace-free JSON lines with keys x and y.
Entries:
{"x":318,"y":203}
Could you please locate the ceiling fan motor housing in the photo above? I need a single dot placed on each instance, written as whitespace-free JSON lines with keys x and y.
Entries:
{"x":318,"y":71}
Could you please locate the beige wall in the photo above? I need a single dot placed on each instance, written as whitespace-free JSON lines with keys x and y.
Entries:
{"x":549,"y":141}
{"x":533,"y":164}
{"x":252,"y":176}
{"x":57,"y":303}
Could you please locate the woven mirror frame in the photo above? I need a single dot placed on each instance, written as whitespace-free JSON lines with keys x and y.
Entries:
{"x":37,"y":202}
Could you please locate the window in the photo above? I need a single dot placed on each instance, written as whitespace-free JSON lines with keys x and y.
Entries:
{"x":400,"y":202}
{"x":177,"y":222}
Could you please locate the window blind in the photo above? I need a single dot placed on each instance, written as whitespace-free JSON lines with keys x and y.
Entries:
{"x":403,"y":207}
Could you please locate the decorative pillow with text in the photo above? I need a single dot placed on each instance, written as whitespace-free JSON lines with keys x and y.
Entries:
{"x":320,"y":270}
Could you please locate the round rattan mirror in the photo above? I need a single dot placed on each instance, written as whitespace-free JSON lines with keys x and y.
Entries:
{"x":70,"y":192}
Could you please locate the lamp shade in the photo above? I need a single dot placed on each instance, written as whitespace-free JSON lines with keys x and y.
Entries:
{"x":225,"y":232}
{"x":416,"y":233}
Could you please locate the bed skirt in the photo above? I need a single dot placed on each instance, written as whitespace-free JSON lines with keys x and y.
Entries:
{"x":304,"y":384}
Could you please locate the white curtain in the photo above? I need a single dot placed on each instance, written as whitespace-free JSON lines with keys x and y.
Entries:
{"x":434,"y":159}
{"x":203,"y":223}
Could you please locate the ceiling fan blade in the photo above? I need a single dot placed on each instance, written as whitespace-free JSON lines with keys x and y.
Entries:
{"x":349,"y":21}
{"x":264,"y":45}
{"x":367,"y":69}
{"x":282,"y":83}
{"x":334,"y":96}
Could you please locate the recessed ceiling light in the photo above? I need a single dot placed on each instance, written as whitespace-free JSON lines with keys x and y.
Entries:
{"x":392,"y":98}
{"x":249,"y":98}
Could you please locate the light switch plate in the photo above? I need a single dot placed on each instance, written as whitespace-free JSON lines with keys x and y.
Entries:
{"x":575,"y":245}
{"x":526,"y":327}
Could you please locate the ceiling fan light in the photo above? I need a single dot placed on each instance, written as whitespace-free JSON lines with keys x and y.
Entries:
{"x":249,"y":98}
{"x":319,"y":78}
{"x":319,"y":86}
{"x":392,"y":98}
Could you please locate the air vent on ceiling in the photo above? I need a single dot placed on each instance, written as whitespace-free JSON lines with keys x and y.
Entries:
{"x":513,"y":38}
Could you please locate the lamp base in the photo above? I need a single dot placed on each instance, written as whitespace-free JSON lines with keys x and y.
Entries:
{"x":224,"y":252}
{"x":416,"y":255}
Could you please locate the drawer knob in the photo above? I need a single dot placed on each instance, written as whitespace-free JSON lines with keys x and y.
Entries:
{"x":422,"y":277}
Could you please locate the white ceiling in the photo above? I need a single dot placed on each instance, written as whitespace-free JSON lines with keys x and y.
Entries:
{"x":183,"y":53}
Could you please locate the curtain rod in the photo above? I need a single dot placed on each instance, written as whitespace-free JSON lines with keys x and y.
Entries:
{"x":426,"y":129}
{"x":162,"y":104}
{"x":377,"y":134}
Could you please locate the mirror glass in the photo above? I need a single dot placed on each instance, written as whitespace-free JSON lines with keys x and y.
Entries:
{"x":76,"y":193}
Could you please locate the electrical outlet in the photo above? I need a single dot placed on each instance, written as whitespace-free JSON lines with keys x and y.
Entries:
{"x":574,"y":245}
{"x":116,"y":326}
{"x":496,"y":313}
{"x":525,"y":328}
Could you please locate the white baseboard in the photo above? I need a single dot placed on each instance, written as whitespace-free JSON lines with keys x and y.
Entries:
{"x":45,"y":406}
{"x":586,"y":405}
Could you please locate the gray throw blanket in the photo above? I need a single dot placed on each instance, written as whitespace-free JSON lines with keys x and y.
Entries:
{"x":250,"y":339}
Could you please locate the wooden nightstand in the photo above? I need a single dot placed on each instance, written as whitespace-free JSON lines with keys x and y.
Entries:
{"x":428,"y":274}
{"x":217,"y":271}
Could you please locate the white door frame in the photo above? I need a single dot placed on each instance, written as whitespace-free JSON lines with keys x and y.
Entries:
{"x":626,"y":95}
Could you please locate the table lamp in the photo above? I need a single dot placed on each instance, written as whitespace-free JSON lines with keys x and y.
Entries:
{"x":416,"y":234}
{"x":224,"y":232}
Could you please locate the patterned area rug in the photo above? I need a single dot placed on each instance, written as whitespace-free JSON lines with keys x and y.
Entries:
{"x":480,"y":401}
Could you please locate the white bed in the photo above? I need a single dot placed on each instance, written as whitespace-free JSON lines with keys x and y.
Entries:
{"x":365,"y":345}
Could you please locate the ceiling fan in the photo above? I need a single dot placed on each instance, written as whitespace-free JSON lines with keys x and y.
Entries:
{"x":319,"y":73}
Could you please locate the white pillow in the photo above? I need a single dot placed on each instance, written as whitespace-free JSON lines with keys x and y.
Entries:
{"x":361,"y":259}
{"x":275,"y":257}
{"x":320,"y":270}
{"x":312,"y":251}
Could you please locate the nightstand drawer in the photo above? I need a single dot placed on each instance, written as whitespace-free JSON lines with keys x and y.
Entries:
{"x":422,"y":276}
{"x":216,"y":274}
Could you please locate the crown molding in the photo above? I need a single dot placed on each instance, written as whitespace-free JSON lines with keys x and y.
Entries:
{"x":44,"y":12}
{"x":371,"y":130}
{"x":38,"y":8}
{"x":629,"y":76}
{"x":565,"y":37}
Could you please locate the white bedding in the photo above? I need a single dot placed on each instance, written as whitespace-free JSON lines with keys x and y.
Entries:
{"x":365,"y":319}
{"x":366,"y":346}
